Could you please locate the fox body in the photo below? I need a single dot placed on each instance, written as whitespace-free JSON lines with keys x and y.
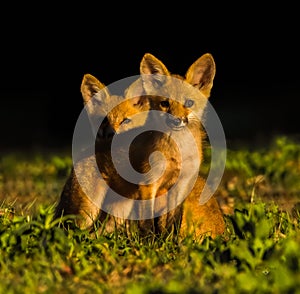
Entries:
{"x":177,"y":104}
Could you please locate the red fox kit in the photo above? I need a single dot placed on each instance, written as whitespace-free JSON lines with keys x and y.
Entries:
{"x":84,"y":189}
{"x":176,"y":105}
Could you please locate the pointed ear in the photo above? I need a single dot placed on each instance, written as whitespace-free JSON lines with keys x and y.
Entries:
{"x":201,"y":74}
{"x":152,"y":65}
{"x":90,"y":86}
{"x":153,"y":72}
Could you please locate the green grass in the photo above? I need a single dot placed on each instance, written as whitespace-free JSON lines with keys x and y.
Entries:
{"x":259,"y":253}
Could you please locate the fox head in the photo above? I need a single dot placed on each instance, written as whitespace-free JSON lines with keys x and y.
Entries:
{"x":183,"y":98}
{"x":97,"y":101}
{"x":116,"y":113}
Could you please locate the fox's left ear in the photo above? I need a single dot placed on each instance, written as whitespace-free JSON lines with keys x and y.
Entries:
{"x":201,"y":74}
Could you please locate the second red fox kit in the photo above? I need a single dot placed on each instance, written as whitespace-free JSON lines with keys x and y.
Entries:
{"x":85,"y":190}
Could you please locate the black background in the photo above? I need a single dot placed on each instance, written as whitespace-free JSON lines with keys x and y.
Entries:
{"x":46,"y":51}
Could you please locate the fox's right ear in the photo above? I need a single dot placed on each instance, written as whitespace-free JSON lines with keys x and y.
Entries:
{"x":91,"y":86}
{"x":153,"y":72}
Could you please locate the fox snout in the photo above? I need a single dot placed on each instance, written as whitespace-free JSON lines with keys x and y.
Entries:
{"x":176,"y":122}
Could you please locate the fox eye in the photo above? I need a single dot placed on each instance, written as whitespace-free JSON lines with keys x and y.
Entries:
{"x":165,"y":103}
{"x":189,"y":103}
{"x":126,"y":121}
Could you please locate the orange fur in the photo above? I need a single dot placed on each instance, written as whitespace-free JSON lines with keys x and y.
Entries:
{"x":84,"y":186}
{"x":179,"y":103}
{"x":172,"y":95}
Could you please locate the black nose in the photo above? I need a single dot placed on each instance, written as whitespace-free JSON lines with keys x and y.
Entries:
{"x":176,"y":121}
{"x":173,"y":121}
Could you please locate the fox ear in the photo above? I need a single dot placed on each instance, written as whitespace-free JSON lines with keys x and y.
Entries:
{"x":90,"y":86}
{"x":152,"y":65}
{"x":201,"y":74}
{"x":153,"y":72}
